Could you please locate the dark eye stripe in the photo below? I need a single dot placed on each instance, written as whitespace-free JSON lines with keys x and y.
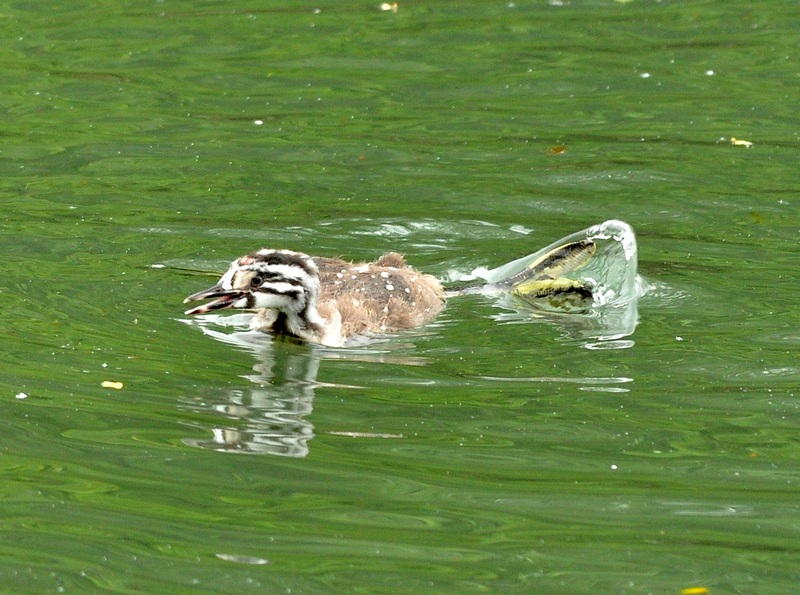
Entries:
{"x":293,"y":293}
{"x":278,"y":277}
{"x":261,"y":276}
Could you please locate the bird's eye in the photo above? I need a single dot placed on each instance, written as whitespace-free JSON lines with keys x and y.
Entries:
{"x":256,"y":281}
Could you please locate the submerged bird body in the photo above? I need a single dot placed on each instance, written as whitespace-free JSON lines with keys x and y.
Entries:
{"x":330,"y":301}
{"x":325,"y":300}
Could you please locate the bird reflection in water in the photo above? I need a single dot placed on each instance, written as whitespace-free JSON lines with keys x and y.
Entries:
{"x":271,"y":416}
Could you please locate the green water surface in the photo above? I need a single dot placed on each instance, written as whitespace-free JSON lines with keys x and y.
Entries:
{"x":481,"y":454}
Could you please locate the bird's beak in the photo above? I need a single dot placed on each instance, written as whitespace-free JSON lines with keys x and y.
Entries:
{"x":226,"y":298}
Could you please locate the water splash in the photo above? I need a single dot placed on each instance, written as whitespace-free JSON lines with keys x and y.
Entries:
{"x":613,"y":274}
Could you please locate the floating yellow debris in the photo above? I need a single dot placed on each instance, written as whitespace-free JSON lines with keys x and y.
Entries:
{"x":737,"y":142}
{"x":112,"y":384}
{"x":694,"y":591}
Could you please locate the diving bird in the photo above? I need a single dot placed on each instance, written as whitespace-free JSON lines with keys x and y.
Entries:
{"x":329,"y":301}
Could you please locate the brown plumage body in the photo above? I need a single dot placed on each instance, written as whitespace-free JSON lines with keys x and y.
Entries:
{"x":382,"y":296}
